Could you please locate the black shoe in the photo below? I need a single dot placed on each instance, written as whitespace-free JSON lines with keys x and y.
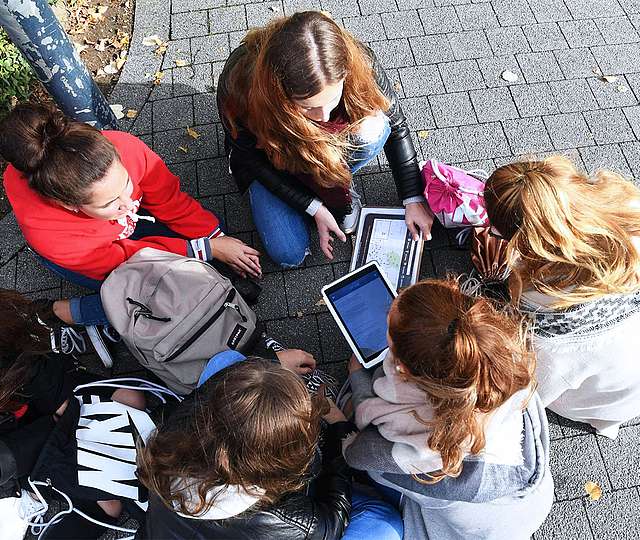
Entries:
{"x":65,"y":338}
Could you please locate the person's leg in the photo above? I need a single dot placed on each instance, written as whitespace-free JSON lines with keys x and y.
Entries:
{"x":284,"y":231}
{"x":87,"y":310}
{"x":369,"y":141}
{"x":371,"y":517}
{"x":70,"y":275}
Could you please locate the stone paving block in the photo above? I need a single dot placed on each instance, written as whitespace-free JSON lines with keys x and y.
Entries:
{"x":568,"y":131}
{"x":367,"y":28}
{"x":431,"y":49}
{"x":292,"y":6}
{"x":379,"y":189}
{"x":616,"y":94}
{"x":555,"y":432}
{"x":440,"y":20}
{"x":399,"y":24}
{"x":492,"y":69}
{"x":192,"y":79}
{"x":393,"y":53}
{"x":567,"y":519}
{"x":485,"y":141}
{"x":477,"y":16}
{"x":216,"y":205}
{"x":466,"y":45}
{"x":609,"y":126}
{"x":414,"y":4}
{"x":189,"y":24}
{"x":513,"y":12}
{"x":445,"y":145}
{"x":534,"y":99}
{"x":167,"y":143}
{"x":31,"y":275}
{"x":261,"y":14}
{"x":583,"y":33}
{"x":238,"y":212}
{"x":622,"y":457}
{"x":576,"y":63}
{"x":235,"y":38}
{"x":48,"y":294}
{"x":12,"y":240}
{"x":188,"y":174}
{"x":573,"y":95}
{"x":452,"y":109}
{"x":8,"y":274}
{"x":617,"y":30}
{"x":205,"y":109}
{"x":421,"y":81}
{"x":272,"y":303}
{"x":334,"y":346}
{"x":163,"y":90}
{"x":227,"y":19}
{"x":303,"y":289}
{"x":172,"y":113}
{"x":493,"y":104}
{"x":630,"y":7}
{"x":427,"y":268}
{"x":214,"y":177}
{"x":297,"y":333}
{"x":573,"y":462}
{"x":461,"y":75}
{"x":633,"y":79}
{"x":605,"y":157}
{"x":591,"y":9}
{"x":527,"y":135}
{"x":451,"y":262}
{"x":195,"y":5}
{"x":631,"y":151}
{"x":549,"y":10}
{"x":615,"y":515}
{"x":417,"y":112}
{"x":539,"y":67}
{"x":376,"y":6}
{"x":179,"y":49}
{"x":341,"y":8}
{"x":633,"y":117}
{"x":508,"y":40}
{"x":545,"y":37}
{"x":617,"y":59}
{"x":210,"y":48}
{"x":341,"y":250}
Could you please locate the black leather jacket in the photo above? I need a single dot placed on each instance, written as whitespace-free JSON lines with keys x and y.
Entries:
{"x":320,"y":513}
{"x":248,"y":163}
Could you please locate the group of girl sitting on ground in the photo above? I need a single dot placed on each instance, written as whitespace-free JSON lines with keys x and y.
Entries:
{"x":451,"y":429}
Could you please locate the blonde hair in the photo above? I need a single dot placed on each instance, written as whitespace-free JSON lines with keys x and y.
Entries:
{"x":572,"y":234}
{"x":468,"y":357}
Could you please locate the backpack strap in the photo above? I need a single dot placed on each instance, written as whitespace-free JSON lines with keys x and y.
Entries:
{"x":219,"y":362}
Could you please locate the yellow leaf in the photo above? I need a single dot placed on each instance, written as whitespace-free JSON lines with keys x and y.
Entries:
{"x":132,"y":113}
{"x":157,"y":77}
{"x":593,"y":490}
{"x":192,"y":133}
{"x":120,"y":62}
{"x":320,"y":302}
{"x":181,"y":63}
{"x":151,"y":41}
{"x":609,"y":78}
{"x":161,"y":49}
{"x":423,"y":134}
{"x":183,"y":149}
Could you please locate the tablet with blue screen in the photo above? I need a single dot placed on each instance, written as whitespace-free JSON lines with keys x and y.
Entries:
{"x":359,"y":303}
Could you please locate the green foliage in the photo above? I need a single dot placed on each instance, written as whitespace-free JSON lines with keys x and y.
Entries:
{"x":16,"y":77}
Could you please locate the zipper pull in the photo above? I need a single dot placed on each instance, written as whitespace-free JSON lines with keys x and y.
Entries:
{"x":237,"y":308}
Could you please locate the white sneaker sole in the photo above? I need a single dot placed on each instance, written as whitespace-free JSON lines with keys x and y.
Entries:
{"x":99,"y":345}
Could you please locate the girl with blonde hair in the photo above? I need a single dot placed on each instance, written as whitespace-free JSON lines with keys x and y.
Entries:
{"x":451,"y":420}
{"x":575,"y":243}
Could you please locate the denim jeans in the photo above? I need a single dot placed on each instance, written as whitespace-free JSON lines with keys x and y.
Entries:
{"x":284,"y":231}
{"x":372,"y":518}
{"x":88,"y":310}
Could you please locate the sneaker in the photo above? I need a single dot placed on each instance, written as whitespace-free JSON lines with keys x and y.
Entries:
{"x":65,"y":339}
{"x":97,"y":335}
{"x":350,"y":221}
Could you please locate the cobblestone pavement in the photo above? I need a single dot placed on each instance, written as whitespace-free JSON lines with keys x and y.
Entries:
{"x":446,"y":58}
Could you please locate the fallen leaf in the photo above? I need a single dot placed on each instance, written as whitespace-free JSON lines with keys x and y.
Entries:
{"x":131,"y":113}
{"x":183,"y":149}
{"x":596,"y":71}
{"x":120,"y":62}
{"x":96,"y":14}
{"x":110,"y":69}
{"x":152,"y":41}
{"x":181,"y":63}
{"x":161,"y":49}
{"x":509,"y":76}
{"x":193,"y":133}
{"x":622,"y":89}
{"x":101,"y":45}
{"x":320,"y":302}
{"x":609,"y":78}
{"x":593,"y":490}
{"x":273,"y":8}
{"x":117,"y":110}
{"x":157,"y":77}
{"x":299,"y":314}
{"x":397,"y":86}
{"x":80,"y":47}
{"x":423,"y":134}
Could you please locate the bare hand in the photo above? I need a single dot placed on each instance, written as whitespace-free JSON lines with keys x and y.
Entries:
{"x":327,"y":224}
{"x":354,"y":365}
{"x":238,"y":255}
{"x":419,"y":217}
{"x":296,"y":360}
{"x":334,"y":415}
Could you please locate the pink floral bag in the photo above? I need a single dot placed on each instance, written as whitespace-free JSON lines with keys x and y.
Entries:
{"x":455,"y":196}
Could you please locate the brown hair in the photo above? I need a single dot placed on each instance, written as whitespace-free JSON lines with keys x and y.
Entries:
{"x":61,"y":158}
{"x":572,"y":234}
{"x":253,"y":424}
{"x":468,"y":358}
{"x":22,"y":340}
{"x":295,"y":58}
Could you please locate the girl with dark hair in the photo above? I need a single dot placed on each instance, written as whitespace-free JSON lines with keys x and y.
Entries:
{"x":239,"y":459}
{"x":304,"y":106}
{"x":451,"y":420}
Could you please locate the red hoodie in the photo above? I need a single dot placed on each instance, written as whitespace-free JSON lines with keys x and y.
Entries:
{"x":94,"y":247}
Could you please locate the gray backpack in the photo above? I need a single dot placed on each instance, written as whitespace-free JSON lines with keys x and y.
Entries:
{"x":174,"y":313}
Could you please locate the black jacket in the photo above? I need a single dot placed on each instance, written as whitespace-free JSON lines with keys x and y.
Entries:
{"x":248,"y":163}
{"x":320,"y":513}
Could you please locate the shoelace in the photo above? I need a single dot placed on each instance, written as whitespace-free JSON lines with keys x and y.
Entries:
{"x":71,"y":341}
{"x":111,"y":334}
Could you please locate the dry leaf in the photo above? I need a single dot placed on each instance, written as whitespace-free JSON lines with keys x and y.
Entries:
{"x":423,"y":134}
{"x":181,"y":63}
{"x":120,"y":62}
{"x":131,"y":113}
{"x":157,"y":77}
{"x":192,"y":133}
{"x":593,"y":490}
{"x":183,"y":149}
{"x":110,"y":68}
{"x":161,"y":49}
{"x":299,"y":314}
{"x":80,"y":47}
{"x":622,"y":89}
{"x":596,"y":71}
{"x":397,"y":86}
{"x":509,"y":76}
{"x":609,"y":78}
{"x":320,"y":302}
{"x":152,"y":41}
{"x":273,"y":8}
{"x":117,"y":111}
{"x":101,"y":45}
{"x":96,"y":14}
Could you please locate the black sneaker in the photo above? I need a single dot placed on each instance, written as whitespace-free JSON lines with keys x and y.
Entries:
{"x":98,"y":336}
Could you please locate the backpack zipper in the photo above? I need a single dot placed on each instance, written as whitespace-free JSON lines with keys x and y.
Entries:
{"x":210,"y":321}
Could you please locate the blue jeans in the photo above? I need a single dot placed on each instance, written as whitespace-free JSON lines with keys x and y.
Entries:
{"x":372,"y":518}
{"x":88,"y":310}
{"x":284,"y":231}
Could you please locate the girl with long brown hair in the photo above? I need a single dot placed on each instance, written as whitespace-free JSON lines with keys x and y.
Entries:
{"x":452,"y":421}
{"x":304,"y":106}
{"x":575,"y":243}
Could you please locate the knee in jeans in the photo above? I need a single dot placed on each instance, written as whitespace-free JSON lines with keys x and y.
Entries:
{"x":289,"y":258}
{"x":372,"y":128}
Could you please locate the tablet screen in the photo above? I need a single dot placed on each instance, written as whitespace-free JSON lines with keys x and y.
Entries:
{"x":362,"y":303}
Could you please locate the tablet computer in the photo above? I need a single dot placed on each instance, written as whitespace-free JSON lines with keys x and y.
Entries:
{"x":359,"y":303}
